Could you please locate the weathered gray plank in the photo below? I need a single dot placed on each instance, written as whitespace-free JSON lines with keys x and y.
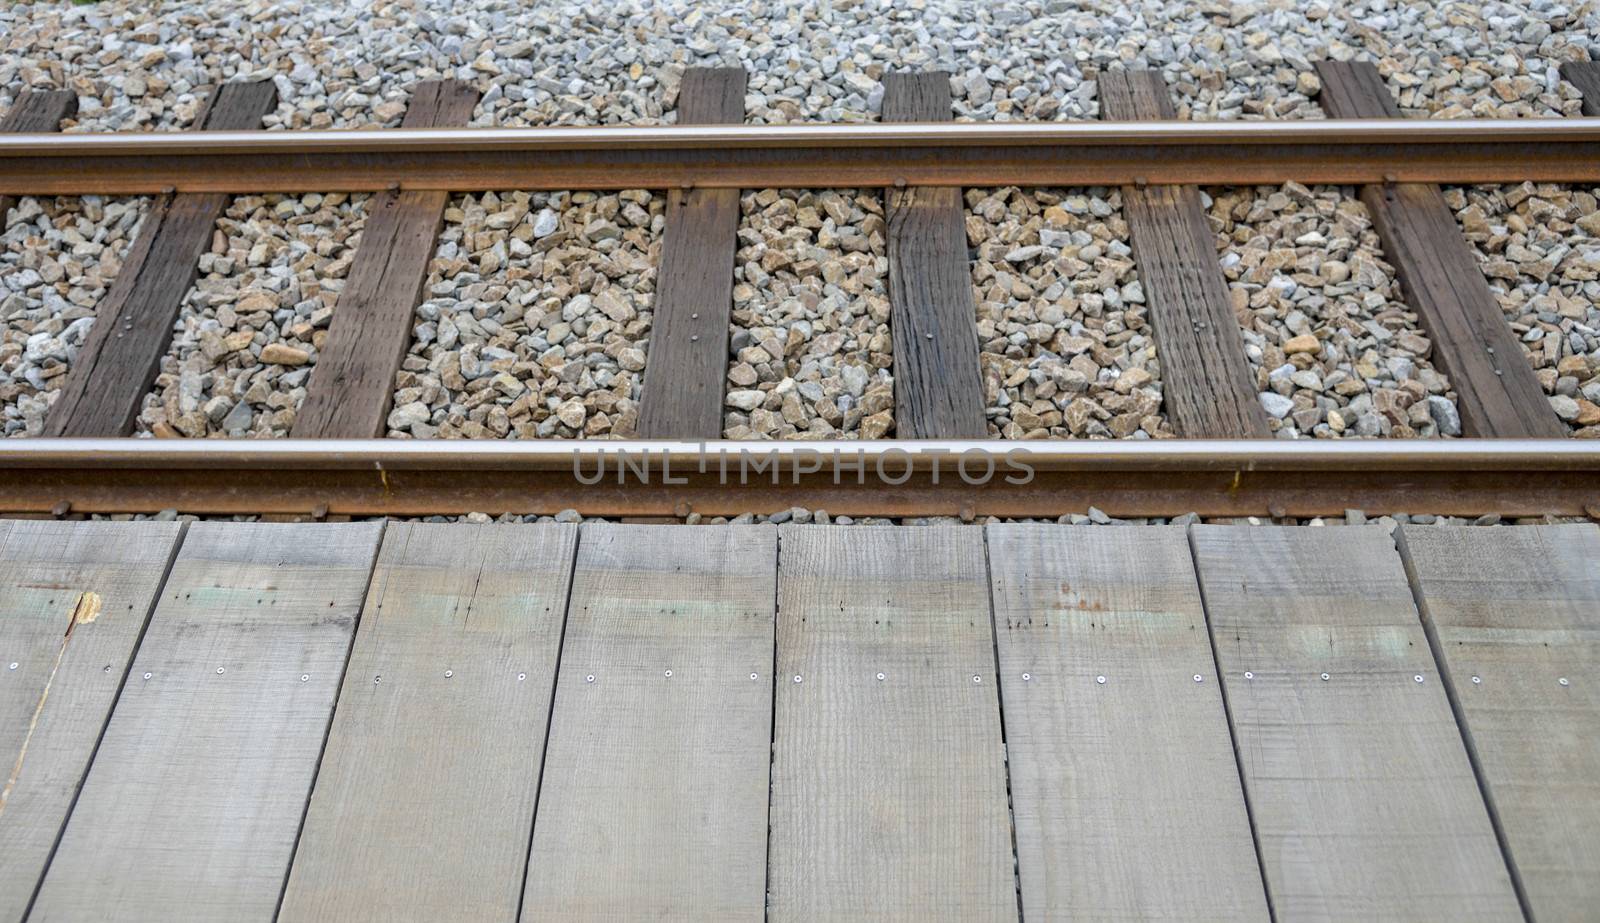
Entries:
{"x":688,"y":359}
{"x":1126,"y":795}
{"x":424,"y":802}
{"x":1512,"y":613}
{"x":1496,"y":390}
{"x":105,"y":388}
{"x":938,"y":388}
{"x":1209,"y":391}
{"x":352,"y":384}
{"x":1364,"y":803}
{"x":888,"y":795}
{"x":1585,"y":75}
{"x":654,"y":800}
{"x":74,"y":597}
{"x":35,"y":111}
{"x":194,"y":801}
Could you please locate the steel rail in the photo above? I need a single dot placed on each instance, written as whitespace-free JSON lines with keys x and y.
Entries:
{"x":882,"y":478}
{"x":752,"y":156}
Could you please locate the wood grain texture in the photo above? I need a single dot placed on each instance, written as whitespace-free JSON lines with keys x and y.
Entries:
{"x":424,"y":802}
{"x":352,"y":385}
{"x":194,"y":801}
{"x":1126,"y":794}
{"x":35,"y":111}
{"x":937,"y":385}
{"x":654,"y":801}
{"x":74,"y":597}
{"x":105,"y":388}
{"x":1208,"y":390}
{"x":688,"y":358}
{"x":1510,"y":613}
{"x":888,"y":796}
{"x":1496,"y":391}
{"x":1364,"y":803}
{"x":1585,"y":75}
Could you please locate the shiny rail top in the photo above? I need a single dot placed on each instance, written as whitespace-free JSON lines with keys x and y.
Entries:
{"x":676,"y":156}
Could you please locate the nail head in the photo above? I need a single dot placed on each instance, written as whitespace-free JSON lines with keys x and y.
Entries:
{"x":1562,"y":681}
{"x":1418,"y":677}
{"x":1027,"y":677}
{"x":1100,"y":679}
{"x":880,"y":677}
{"x":1249,"y":675}
{"x":797,"y":678}
{"x":305,"y":677}
{"x":1477,"y":679}
{"x":589,"y":678}
{"x":1198,"y":678}
{"x":221,"y":670}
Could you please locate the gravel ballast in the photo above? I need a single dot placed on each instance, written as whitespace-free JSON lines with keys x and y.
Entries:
{"x":536,"y":318}
{"x":812,"y":356}
{"x":1539,"y":247}
{"x":1065,"y":340}
{"x":139,"y":67}
{"x":250,"y":329}
{"x":1335,"y":352}
{"x":58,"y":258}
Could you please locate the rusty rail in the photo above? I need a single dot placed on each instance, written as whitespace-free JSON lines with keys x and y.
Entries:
{"x":753,"y":156}
{"x":922,"y":478}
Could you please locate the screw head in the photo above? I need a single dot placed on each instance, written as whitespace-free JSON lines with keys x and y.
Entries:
{"x":521,"y":677}
{"x":305,"y":677}
{"x":1027,"y":677}
{"x":1563,"y":681}
{"x":797,"y":678}
{"x":1249,"y":675}
{"x":589,"y":678}
{"x":221,"y":670}
{"x":1418,"y":677}
{"x":449,"y":673}
{"x":1198,"y":678}
{"x":1100,"y":679}
{"x":755,"y":675}
{"x":1325,"y":677}
{"x":147,"y":676}
{"x":1476,"y":680}
{"x":977,"y":679}
{"x":880,"y":677}
{"x":376,"y":680}
{"x":12,"y":667}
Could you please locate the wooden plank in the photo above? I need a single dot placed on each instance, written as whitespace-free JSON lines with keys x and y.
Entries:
{"x":194,"y":801}
{"x":1514,"y":619}
{"x":1585,"y":75}
{"x":1364,"y":802}
{"x":424,"y":802}
{"x":888,"y":795}
{"x":938,"y":389}
{"x":1126,"y":793}
{"x":654,"y":800}
{"x":352,"y":385}
{"x":74,"y":597}
{"x":105,"y":388}
{"x":688,"y":359}
{"x":1497,"y":393}
{"x":1208,"y":389}
{"x":35,"y":111}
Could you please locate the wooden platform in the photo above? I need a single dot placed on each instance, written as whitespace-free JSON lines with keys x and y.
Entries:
{"x":411,"y":721}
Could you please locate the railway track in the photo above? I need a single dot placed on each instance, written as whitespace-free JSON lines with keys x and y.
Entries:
{"x":1516,"y":458}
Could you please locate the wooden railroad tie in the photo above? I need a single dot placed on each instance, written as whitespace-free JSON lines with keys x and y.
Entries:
{"x":1496,"y":391}
{"x":1207,"y":387}
{"x":119,"y":361}
{"x":687,"y":373}
{"x":352,"y":385}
